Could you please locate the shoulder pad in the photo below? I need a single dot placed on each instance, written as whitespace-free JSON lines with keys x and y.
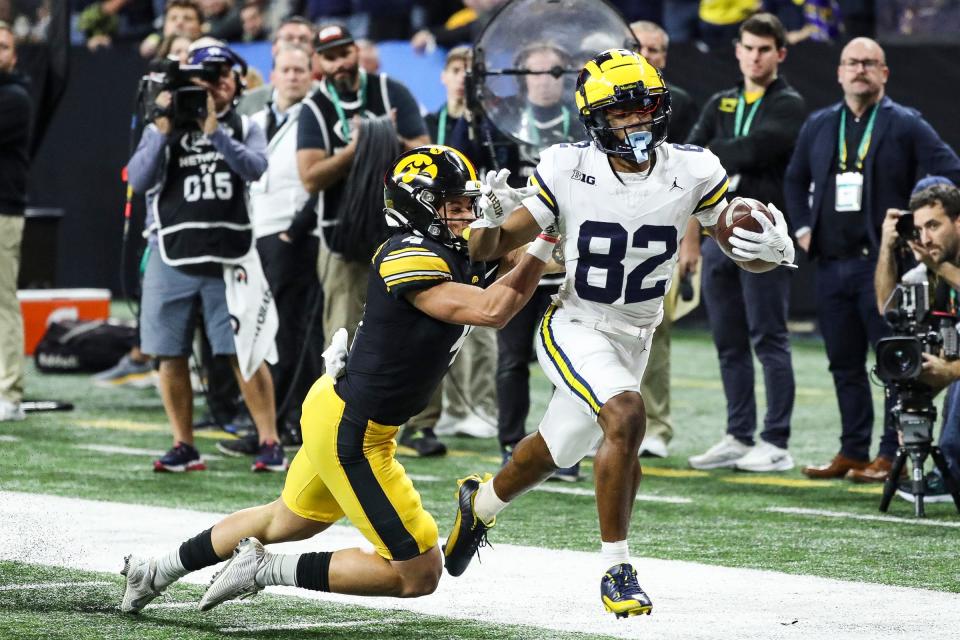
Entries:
{"x":700,"y":163}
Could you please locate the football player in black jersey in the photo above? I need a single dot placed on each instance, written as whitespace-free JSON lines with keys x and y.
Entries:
{"x":423,"y":294}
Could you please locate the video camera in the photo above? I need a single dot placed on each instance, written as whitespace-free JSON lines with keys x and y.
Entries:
{"x":916,"y":330}
{"x":188,"y":103}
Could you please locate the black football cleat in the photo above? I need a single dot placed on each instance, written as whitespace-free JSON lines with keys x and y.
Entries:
{"x":621,"y":594}
{"x":469,"y":532}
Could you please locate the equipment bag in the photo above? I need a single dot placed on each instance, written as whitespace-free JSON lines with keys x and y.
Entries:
{"x":74,"y":346}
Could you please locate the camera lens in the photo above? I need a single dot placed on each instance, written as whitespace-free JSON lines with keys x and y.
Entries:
{"x":899,"y":358}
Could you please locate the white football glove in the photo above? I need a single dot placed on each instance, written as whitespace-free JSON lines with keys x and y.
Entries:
{"x":335,"y":356}
{"x":773,"y":244}
{"x":498,"y":199}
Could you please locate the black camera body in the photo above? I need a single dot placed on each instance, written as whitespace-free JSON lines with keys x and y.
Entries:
{"x":916,"y":330}
{"x":188,"y":103}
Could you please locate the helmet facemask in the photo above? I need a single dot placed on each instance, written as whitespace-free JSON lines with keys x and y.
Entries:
{"x":425,"y":212}
{"x":639,"y":139}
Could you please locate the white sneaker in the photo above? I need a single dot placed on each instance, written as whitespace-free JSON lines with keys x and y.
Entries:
{"x":11,"y":411}
{"x":237,"y":579}
{"x":653,"y":447}
{"x":139,"y":592}
{"x":766,"y":457}
{"x":725,"y":453}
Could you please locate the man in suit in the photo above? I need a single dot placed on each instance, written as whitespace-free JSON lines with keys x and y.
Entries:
{"x":862,"y":156}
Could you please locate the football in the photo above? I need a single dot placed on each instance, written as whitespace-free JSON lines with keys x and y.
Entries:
{"x":737,"y":214}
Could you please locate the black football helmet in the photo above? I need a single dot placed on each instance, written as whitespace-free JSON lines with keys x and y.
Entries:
{"x":415,"y":186}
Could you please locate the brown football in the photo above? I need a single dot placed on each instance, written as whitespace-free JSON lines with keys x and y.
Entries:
{"x":737,"y":214}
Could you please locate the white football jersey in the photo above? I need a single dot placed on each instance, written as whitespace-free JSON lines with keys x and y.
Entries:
{"x":621,"y":230}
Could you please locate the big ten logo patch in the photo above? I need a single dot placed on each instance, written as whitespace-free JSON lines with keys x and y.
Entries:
{"x":417,"y":164}
{"x":582,"y":177}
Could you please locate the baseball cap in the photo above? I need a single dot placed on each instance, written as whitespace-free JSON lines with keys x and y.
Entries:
{"x":930,"y":181}
{"x":332,"y":35}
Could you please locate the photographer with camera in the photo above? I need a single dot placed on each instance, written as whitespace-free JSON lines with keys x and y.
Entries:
{"x":194,"y":163}
{"x":930,"y":230}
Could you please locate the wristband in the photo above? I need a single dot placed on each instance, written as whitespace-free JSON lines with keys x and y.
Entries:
{"x":542,"y":248}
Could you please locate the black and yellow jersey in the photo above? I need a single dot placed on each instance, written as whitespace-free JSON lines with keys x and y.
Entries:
{"x":400,"y":354}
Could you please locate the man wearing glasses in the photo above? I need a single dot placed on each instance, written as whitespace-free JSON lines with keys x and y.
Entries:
{"x":861,"y":156}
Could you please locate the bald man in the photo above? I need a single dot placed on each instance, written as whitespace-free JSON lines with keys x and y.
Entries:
{"x":862,"y":156}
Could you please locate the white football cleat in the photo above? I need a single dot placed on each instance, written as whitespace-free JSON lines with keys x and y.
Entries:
{"x":725,"y":453}
{"x":139,"y":592}
{"x":237,"y":579}
{"x":766,"y":457}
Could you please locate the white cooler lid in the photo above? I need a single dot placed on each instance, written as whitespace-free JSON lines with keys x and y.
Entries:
{"x":28,"y":295}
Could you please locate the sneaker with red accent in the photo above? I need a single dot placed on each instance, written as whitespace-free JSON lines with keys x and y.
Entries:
{"x":182,"y":457}
{"x":270,"y":457}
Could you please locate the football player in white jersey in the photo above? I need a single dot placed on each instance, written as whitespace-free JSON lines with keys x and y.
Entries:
{"x":622,"y":201}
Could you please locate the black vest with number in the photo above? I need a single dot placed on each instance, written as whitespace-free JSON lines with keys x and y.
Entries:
{"x":201,"y":211}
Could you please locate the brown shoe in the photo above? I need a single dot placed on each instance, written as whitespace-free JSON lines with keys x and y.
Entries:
{"x":836,"y":468}
{"x":876,"y":471}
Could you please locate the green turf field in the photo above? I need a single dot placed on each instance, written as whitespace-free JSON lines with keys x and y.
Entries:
{"x":721,"y":517}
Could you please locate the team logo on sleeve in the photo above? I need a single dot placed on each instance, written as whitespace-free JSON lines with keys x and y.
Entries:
{"x":582,"y":177}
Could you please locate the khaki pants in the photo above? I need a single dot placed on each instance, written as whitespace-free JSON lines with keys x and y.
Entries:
{"x":11,"y":321}
{"x":655,"y":386}
{"x":473,"y":373}
{"x":344,"y":292}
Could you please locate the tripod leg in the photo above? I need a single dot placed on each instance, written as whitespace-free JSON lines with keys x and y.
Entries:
{"x":940,"y":462}
{"x":890,"y":484}
{"x":916,"y":458}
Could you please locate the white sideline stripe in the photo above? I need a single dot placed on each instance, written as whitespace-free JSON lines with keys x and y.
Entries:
{"x":574,"y":491}
{"x":307,"y":625}
{"x":133,"y":451}
{"x":52,"y":585}
{"x":692,"y":601}
{"x":861,"y":516}
{"x":417,"y":477}
{"x":6,"y":438}
{"x":193,"y":605}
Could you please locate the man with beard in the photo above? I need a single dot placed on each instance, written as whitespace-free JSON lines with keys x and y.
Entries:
{"x":328,"y":139}
{"x":936,"y":244}
{"x":863,"y":156}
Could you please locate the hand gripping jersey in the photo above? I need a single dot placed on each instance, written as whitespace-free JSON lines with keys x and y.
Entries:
{"x":400,"y":354}
{"x":621,"y":230}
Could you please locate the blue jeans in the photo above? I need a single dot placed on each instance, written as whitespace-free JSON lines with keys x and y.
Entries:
{"x":850,"y":324}
{"x":750,"y":310}
{"x":950,"y":431}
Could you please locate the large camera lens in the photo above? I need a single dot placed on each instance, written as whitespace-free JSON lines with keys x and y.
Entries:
{"x":899,"y":358}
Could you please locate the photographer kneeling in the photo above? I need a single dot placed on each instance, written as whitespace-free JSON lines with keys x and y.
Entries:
{"x":934,"y":238}
{"x":195,"y":164}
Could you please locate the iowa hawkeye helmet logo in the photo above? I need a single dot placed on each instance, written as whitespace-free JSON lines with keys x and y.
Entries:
{"x":418,"y":164}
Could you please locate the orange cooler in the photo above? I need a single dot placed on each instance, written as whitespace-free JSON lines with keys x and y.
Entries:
{"x":40,"y":307}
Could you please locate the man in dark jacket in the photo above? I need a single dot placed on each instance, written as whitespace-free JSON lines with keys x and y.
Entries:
{"x":14,"y":164}
{"x":862,"y":156}
{"x":751,"y":128}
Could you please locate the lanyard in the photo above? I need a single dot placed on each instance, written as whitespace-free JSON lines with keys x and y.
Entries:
{"x":442,"y":126}
{"x":741,"y":128}
{"x":864,"y":142}
{"x":335,"y":98}
{"x":534,"y":131}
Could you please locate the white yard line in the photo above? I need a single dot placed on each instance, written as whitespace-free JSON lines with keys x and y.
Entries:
{"x":8,"y":438}
{"x":821,"y":513}
{"x":132,"y":451}
{"x":309,"y":625}
{"x":545,"y":588}
{"x":52,"y":585}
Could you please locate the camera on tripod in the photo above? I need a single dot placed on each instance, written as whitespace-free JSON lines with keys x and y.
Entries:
{"x":188,"y":103}
{"x":916,"y":330}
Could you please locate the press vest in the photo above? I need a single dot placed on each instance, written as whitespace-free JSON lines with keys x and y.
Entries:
{"x":201,"y":211}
